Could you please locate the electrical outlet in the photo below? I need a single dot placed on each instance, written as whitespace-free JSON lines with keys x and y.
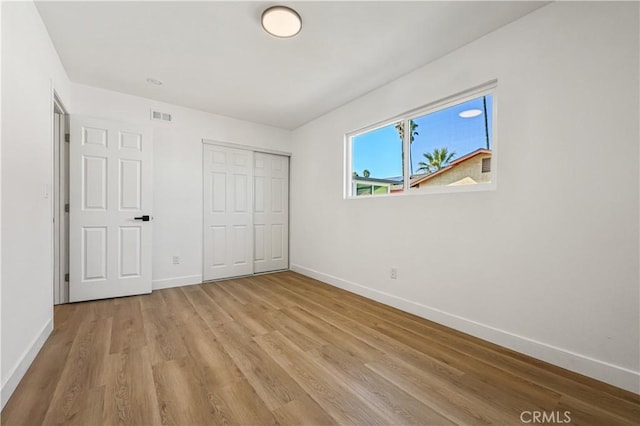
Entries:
{"x":176,"y":260}
{"x":394,"y":273}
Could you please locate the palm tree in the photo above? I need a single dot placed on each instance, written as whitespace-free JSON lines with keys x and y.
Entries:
{"x":412,"y":136}
{"x":412,"y":126}
{"x":436,"y":160}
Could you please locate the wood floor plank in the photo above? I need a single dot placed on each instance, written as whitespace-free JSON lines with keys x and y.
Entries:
{"x":163,"y":338}
{"x":272,"y":383}
{"x":90,"y":407}
{"x":454,"y":402}
{"x":539,"y":397}
{"x":236,"y":290}
{"x":177,"y":304}
{"x":128,"y":327}
{"x":129,"y":394}
{"x":32,"y":398}
{"x":84,"y":370}
{"x":255,"y":293}
{"x":241,"y":405}
{"x":375,"y":339}
{"x":297,"y":333}
{"x":390,"y":402}
{"x":237,"y":310}
{"x":583,"y":413}
{"x":257,"y":317}
{"x":334,"y":397}
{"x":205,"y":306}
{"x":286,"y":349}
{"x":153,"y":300}
{"x":213,"y":364}
{"x":269,"y":289}
{"x":223,"y":298}
{"x":332,"y":334}
{"x":304,"y":411}
{"x":182,"y":400}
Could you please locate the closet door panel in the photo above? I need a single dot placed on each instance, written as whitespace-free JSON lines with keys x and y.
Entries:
{"x":228,"y":212}
{"x":271,"y":212}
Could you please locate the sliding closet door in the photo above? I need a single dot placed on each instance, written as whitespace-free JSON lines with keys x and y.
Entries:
{"x":271,"y":212}
{"x":228,"y":212}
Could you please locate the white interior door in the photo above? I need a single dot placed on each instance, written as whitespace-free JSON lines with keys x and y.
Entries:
{"x":271,"y":212}
{"x":110,"y":203}
{"x":228,"y":219}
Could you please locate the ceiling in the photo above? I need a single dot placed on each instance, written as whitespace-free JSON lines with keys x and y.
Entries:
{"x":215,"y":57}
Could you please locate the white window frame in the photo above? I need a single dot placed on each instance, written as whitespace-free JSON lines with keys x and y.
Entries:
{"x":489,"y":88}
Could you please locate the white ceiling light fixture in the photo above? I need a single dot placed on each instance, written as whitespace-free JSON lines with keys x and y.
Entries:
{"x":470,"y":113}
{"x":281,"y":21}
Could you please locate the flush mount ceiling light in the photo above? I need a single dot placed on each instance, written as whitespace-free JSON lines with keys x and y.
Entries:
{"x":470,"y":113}
{"x":281,"y":21}
{"x":154,"y":81}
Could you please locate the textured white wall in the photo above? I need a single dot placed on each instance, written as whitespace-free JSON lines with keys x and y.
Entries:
{"x":548,"y":263}
{"x":31,"y":70}
{"x":177,"y":170}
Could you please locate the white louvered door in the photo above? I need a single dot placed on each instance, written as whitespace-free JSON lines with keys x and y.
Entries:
{"x":110,"y":194}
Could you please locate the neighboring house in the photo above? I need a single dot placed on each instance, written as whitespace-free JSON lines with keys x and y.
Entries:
{"x":368,"y":185}
{"x":473,"y":168}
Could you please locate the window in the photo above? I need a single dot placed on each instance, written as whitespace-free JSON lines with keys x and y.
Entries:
{"x":377,"y":161}
{"x":449,"y":144}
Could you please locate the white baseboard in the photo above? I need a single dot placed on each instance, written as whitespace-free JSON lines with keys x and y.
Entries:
{"x":176,"y":282}
{"x":19,"y":370}
{"x":609,"y":373}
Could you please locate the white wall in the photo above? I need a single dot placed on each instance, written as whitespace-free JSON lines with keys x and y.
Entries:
{"x":177,"y":163}
{"x":548,"y":263}
{"x":31,"y":70}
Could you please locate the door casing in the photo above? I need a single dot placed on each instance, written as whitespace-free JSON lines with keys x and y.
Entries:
{"x":60,"y":200}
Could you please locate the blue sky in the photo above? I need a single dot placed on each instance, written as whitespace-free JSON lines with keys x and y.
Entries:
{"x":380,"y":151}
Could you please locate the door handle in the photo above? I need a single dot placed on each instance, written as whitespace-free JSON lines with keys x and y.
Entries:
{"x":145,"y":218}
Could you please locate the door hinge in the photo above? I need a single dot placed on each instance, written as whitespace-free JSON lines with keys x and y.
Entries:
{"x":66,"y":278}
{"x":67,"y":137}
{"x":66,"y":208}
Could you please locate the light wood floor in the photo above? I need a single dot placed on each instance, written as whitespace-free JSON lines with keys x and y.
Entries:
{"x":285,"y":349}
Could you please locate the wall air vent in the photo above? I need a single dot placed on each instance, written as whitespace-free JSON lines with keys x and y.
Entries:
{"x":160,"y":116}
{"x":486,"y":165}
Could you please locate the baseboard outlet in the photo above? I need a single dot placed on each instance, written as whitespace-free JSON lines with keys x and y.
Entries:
{"x":20,"y":369}
{"x":609,"y":373}
{"x":176,"y":282}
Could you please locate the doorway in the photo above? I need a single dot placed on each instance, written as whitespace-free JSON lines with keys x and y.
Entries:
{"x":60,"y":203}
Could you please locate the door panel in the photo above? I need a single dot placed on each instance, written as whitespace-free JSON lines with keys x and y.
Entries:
{"x":94,"y":182}
{"x":130,"y":185}
{"x":94,"y":253}
{"x":219,"y":192}
{"x":271,"y":212}
{"x":110,"y":184}
{"x":228,"y":192}
{"x":130,"y":245}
